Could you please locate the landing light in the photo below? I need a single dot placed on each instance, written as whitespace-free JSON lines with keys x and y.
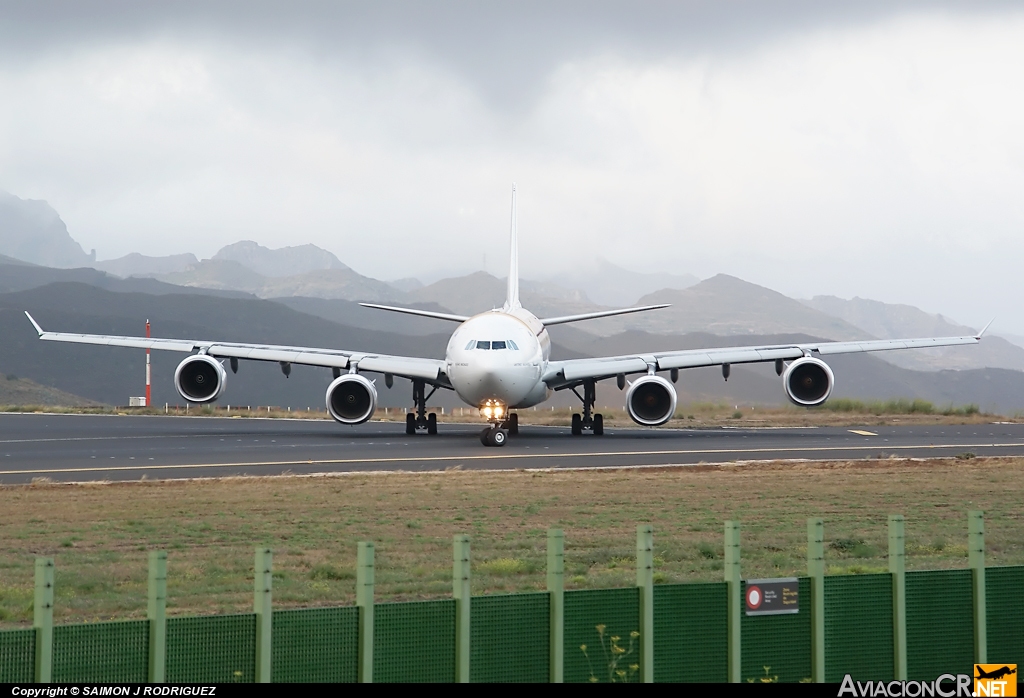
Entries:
{"x":492,"y":409}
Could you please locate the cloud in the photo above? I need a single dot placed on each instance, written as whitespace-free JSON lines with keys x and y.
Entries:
{"x":869,"y":152}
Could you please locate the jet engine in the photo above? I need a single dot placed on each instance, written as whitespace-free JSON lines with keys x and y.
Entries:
{"x":651,"y":400}
{"x":351,"y":399}
{"x":808,"y":381}
{"x":200,"y":378}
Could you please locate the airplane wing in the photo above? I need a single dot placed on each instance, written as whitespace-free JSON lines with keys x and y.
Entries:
{"x":572,"y":371}
{"x":430,"y":370}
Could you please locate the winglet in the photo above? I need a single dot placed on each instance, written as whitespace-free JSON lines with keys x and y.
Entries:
{"x":34,"y":323}
{"x":985,"y":329}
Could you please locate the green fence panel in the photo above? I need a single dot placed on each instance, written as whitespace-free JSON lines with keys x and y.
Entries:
{"x":17,"y":656}
{"x":414,"y":642}
{"x":315,"y":645}
{"x":691,"y":633}
{"x":211,"y":649}
{"x":778,"y":646}
{"x":101,"y":652}
{"x":940,"y":624}
{"x":858,"y":627}
{"x":617,"y":612}
{"x":1004,"y":604}
{"x":509,"y":638}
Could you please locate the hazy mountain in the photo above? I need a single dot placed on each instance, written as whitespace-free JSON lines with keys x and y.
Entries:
{"x":14,"y":262}
{"x":343,"y":283}
{"x":407,"y":284}
{"x":893,"y":321}
{"x":608,"y":284}
{"x":136,"y":264}
{"x":20,"y":277}
{"x":31,"y":231}
{"x":285,"y":261}
{"x":725,"y":305}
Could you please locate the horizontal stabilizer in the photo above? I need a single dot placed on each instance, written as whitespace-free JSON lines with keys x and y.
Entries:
{"x":416,"y":311}
{"x":601,"y":313}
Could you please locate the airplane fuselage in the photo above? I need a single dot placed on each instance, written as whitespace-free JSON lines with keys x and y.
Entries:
{"x":499,"y":356}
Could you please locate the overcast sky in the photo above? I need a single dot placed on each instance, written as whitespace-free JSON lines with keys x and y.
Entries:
{"x":874,"y":150}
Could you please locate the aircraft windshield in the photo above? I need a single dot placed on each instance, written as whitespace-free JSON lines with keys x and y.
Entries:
{"x":495,"y":344}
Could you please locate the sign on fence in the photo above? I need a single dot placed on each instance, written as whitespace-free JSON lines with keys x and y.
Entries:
{"x":767,"y":597}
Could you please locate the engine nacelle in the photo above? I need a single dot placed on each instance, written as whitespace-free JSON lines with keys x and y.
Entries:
{"x":651,"y":400}
{"x":351,"y":399}
{"x":808,"y":381}
{"x":200,"y":378}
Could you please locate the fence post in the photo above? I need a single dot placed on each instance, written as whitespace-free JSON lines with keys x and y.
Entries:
{"x":43,"y":619}
{"x":645,"y":580}
{"x":461,"y":591}
{"x":556,"y":605}
{"x":732,"y":580}
{"x":264,"y":613}
{"x":364,"y":600}
{"x":976,"y":555}
{"x":816,"y":571}
{"x":157,"y":614}
{"x":897,"y":567}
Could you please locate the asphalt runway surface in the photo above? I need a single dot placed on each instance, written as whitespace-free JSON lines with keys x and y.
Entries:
{"x":77,"y":448}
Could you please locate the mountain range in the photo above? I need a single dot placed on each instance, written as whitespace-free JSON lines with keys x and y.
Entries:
{"x":304,"y":294}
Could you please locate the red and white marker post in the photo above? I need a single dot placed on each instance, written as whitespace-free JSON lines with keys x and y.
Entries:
{"x":149,"y":372}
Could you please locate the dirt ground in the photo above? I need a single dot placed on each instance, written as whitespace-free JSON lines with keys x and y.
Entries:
{"x":99,"y":534}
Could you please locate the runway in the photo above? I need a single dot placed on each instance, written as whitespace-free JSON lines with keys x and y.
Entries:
{"x":75,"y":448}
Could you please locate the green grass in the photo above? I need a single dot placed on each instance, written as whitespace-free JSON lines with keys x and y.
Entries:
{"x":313,"y":524}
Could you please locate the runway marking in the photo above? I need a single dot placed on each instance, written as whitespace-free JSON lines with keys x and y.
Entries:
{"x":862,"y":433}
{"x":508,"y":456}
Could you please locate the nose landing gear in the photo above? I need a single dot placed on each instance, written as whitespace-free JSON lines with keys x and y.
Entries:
{"x":593,"y":422}
{"x":497,"y":434}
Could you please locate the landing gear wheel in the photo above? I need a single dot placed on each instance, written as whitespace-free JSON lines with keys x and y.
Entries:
{"x":432,"y":423}
{"x":493,"y":436}
{"x":598,"y":425}
{"x":513,"y":424}
{"x":577,"y":424}
{"x":410,"y":424}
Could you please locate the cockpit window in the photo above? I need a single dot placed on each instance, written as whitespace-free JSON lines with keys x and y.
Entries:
{"x":495,"y":344}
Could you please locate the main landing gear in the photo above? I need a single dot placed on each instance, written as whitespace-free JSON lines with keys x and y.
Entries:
{"x":420,"y":420}
{"x":594,"y":423}
{"x":497,"y":434}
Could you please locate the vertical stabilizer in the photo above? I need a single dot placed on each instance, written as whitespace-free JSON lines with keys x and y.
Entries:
{"x":512,"y":297}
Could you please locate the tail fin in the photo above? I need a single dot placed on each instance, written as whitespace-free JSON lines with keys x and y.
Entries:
{"x":512,"y":297}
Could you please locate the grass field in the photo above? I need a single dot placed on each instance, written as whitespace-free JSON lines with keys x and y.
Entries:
{"x":99,"y":534}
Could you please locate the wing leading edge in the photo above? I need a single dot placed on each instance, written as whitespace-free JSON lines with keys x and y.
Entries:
{"x":404,"y":366}
{"x":561,"y":373}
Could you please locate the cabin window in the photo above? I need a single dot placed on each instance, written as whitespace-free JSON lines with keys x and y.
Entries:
{"x":483,"y":345}
{"x":497,"y":345}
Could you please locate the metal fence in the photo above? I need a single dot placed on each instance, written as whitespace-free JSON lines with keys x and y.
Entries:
{"x":913,"y":625}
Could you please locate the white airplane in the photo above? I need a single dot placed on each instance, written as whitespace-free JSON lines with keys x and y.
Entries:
{"x":499,"y":361}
